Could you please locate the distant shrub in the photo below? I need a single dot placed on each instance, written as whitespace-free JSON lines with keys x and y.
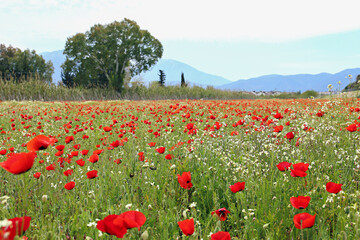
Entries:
{"x":310,"y":93}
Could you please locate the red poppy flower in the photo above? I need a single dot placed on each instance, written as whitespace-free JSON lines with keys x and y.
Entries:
{"x":300,"y":202}
{"x":301,"y":166}
{"x":60,"y":147}
{"x":69,"y":139}
{"x":115,"y":144}
{"x":160,"y":150}
{"x":118,"y":225}
{"x":84,"y":152}
{"x":106,"y":225}
{"x":278,"y":116}
{"x":221,"y":236}
{"x":152,"y":144}
{"x":39,"y":142}
{"x":278,"y":128}
{"x":98,"y":151}
{"x":94,"y":158}
{"x":92,"y":174}
{"x":290,"y":135}
{"x":304,"y":220}
{"x":77,"y":146}
{"x":74,"y":153}
{"x":69,"y":185}
{"x":19,"y":162}
{"x":239,"y":186}
{"x":132,"y":219}
{"x":17,"y":227}
{"x":221,"y":213}
{"x":185,"y":180}
{"x":333,"y":187}
{"x":50,"y":167}
{"x":59,"y":153}
{"x":297,"y":173}
{"x":283,"y":166}
{"x":299,"y":170}
{"x":141,"y":156}
{"x":107,"y":129}
{"x":3,"y":152}
{"x":187,"y":226}
{"x":169,"y":157}
{"x":320,"y":113}
{"x":80,"y":162}
{"x":68,"y":172}
{"x":37,"y":175}
{"x":351,"y":128}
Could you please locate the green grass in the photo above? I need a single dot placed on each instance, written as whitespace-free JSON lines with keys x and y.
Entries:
{"x":218,"y":160}
{"x":36,"y":90}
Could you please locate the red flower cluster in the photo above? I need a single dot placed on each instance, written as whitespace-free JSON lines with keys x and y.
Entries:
{"x":299,"y":170}
{"x":118,"y":225}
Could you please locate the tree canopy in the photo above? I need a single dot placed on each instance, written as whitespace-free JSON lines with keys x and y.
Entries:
{"x":106,"y":53}
{"x":20,"y":65}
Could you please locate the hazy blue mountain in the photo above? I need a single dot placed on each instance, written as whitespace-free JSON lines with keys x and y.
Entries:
{"x":292,"y":83}
{"x":172,"y":69}
{"x":57,"y":58}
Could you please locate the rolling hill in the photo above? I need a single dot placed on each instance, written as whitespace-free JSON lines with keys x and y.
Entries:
{"x":293,"y":83}
{"x":173,"y":70}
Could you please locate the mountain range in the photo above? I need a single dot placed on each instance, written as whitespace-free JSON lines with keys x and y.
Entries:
{"x":274,"y":82}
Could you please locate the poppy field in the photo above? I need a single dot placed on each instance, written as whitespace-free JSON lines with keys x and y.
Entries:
{"x":184,"y":169}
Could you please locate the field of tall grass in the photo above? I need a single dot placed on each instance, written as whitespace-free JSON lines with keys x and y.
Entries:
{"x":36,"y":90}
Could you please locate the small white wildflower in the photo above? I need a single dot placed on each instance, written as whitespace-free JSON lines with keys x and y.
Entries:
{"x":5,"y":223}
{"x":184,"y":212}
{"x":193,"y":205}
{"x":91,"y":224}
{"x":44,"y":198}
{"x":128,"y":206}
{"x":4,"y":199}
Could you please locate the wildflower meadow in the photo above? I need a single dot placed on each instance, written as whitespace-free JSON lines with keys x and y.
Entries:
{"x":180,"y":169}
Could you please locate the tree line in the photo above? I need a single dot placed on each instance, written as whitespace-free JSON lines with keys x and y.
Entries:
{"x":18,"y":66}
{"x":105,"y":56}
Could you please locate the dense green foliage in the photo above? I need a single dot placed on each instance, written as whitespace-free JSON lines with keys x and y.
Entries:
{"x":105,"y":54}
{"x":354,"y":86}
{"x":310,"y":93}
{"x":17,"y":65}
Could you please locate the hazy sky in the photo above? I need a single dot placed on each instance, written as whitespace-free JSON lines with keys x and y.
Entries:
{"x":232,"y":38}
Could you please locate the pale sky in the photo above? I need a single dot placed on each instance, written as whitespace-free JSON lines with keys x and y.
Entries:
{"x":232,"y":38}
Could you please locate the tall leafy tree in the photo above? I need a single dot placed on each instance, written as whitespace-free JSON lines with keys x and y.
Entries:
{"x":104,"y":54}
{"x":24,"y":65}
